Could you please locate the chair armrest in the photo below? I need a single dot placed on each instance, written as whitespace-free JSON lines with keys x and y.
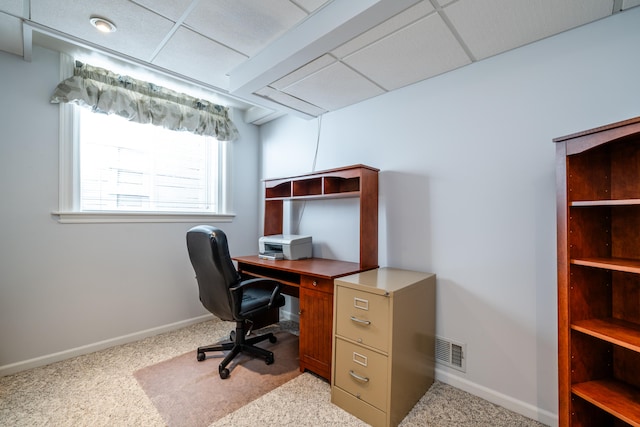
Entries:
{"x":237,"y":290}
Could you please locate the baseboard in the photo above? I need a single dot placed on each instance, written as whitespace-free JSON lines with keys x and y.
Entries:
{"x":523,"y":408}
{"x":101,"y":345}
{"x":287,"y":315}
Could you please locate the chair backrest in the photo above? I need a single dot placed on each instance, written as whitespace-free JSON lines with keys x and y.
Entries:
{"x":215,"y":272}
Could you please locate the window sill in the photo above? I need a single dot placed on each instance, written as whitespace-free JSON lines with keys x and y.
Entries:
{"x":133,"y":217}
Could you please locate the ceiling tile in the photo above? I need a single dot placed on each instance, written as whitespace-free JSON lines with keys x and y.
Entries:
{"x":139,"y":30}
{"x":244,"y":25}
{"x":310,"y":5}
{"x":304,"y":71}
{"x":419,"y":51}
{"x":10,"y":34}
{"x":290,"y":101}
{"x":14,"y":7}
{"x":334,"y":87}
{"x":444,"y":2}
{"x":489,"y":27}
{"x":389,"y":26}
{"x":172,"y":9}
{"x":213,"y":59}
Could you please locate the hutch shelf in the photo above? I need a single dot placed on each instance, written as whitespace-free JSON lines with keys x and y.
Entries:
{"x":351,"y":181}
{"x":598,"y":208}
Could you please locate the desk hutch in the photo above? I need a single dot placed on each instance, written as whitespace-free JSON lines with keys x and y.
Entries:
{"x":311,"y":280}
{"x":598,"y":193}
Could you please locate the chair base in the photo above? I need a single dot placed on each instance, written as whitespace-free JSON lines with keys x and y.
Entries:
{"x":239,"y":344}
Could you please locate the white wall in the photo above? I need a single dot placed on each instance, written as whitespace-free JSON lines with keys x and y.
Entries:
{"x":467,"y":191}
{"x":68,"y":287}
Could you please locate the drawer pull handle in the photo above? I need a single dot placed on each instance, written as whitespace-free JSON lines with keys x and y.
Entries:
{"x":358,"y":377}
{"x":364,"y":322}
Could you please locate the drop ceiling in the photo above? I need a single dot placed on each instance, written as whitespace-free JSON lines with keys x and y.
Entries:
{"x":304,"y":57}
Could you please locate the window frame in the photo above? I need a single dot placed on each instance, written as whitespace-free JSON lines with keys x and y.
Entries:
{"x":69,"y":182}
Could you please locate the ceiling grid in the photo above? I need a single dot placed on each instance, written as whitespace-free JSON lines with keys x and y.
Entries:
{"x":304,"y":57}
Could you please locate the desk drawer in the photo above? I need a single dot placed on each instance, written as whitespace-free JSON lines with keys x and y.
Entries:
{"x":316,"y":283}
{"x":362,"y":373}
{"x":363,"y":317}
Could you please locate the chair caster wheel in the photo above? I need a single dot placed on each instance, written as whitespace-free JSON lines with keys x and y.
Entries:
{"x":269,"y":360}
{"x":224,"y":373}
{"x":232,"y":336}
{"x":273,"y":339}
{"x":201,"y":356}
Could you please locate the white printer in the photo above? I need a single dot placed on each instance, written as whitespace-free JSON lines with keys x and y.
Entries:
{"x":284,"y":246}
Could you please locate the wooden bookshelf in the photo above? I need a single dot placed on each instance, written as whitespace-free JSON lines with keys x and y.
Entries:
{"x":598,"y":207}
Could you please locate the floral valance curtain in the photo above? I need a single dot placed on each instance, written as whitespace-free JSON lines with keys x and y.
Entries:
{"x":107,"y":92}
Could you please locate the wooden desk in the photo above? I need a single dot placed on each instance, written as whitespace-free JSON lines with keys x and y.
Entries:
{"x":310,"y":280}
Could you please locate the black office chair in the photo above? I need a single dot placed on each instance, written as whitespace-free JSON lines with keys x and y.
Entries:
{"x":228,"y":297}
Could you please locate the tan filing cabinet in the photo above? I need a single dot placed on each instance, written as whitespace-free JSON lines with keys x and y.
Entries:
{"x":383,"y":343}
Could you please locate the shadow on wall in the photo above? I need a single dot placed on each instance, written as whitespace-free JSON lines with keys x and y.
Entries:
{"x":334,"y":225}
{"x":405,"y":221}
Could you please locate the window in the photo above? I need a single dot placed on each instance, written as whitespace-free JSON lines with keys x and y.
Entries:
{"x":135,"y":167}
{"x":113,"y":170}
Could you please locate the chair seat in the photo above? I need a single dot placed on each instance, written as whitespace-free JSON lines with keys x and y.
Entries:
{"x":257,"y":299}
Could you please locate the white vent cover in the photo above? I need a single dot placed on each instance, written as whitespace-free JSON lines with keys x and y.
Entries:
{"x":452,"y":354}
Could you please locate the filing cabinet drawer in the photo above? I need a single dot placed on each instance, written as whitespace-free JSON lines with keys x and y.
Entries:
{"x":323,"y":285}
{"x":367,"y":413}
{"x":362,"y":373}
{"x":363,"y":317}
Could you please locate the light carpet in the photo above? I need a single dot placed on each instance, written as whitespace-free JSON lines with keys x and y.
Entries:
{"x":99,"y":389}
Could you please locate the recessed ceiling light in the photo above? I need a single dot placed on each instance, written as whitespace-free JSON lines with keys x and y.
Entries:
{"x":102,"y":24}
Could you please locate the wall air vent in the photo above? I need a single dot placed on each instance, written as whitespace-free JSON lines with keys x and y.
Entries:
{"x":451,"y":354}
